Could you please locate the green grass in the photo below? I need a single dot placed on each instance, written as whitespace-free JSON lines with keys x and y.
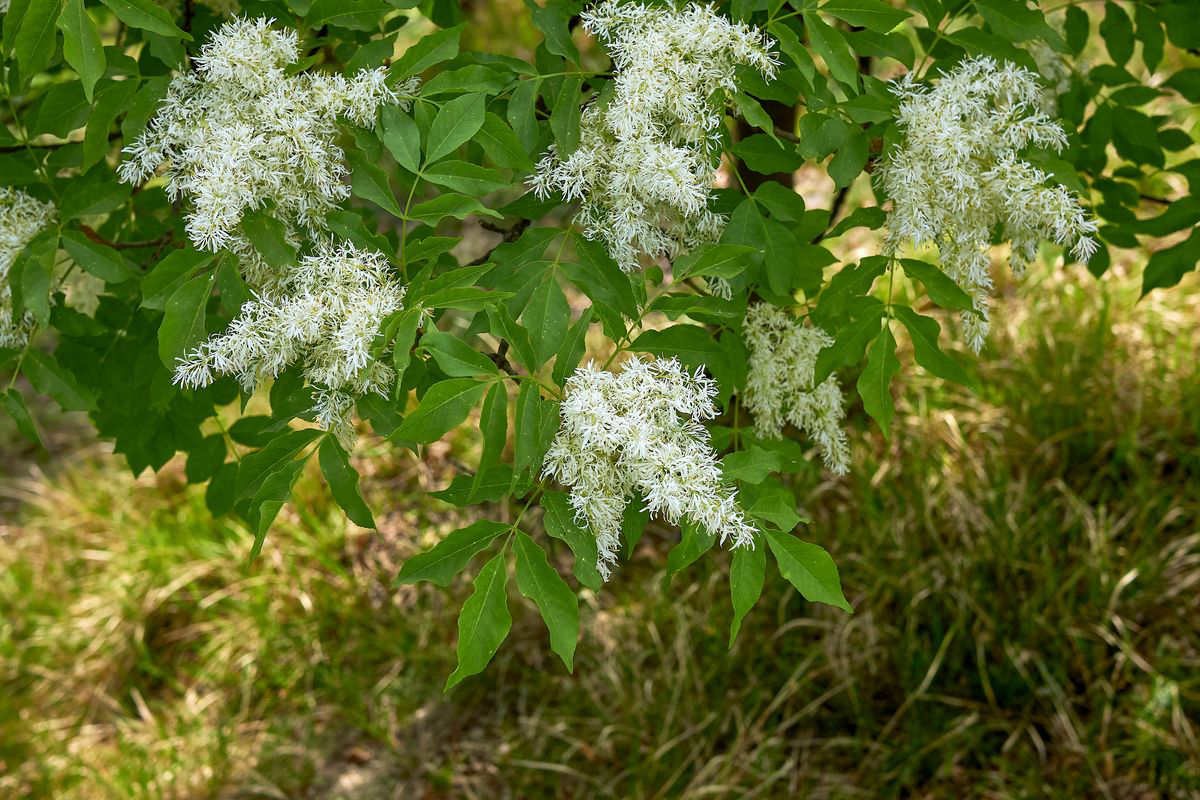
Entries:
{"x":1024,"y":564}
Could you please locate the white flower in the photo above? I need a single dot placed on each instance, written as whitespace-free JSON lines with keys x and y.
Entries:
{"x":638,"y":431}
{"x":239,"y":133}
{"x":959,"y":173}
{"x":647,"y":157}
{"x":325,"y":312}
{"x":21,"y":217}
{"x":779,"y":390}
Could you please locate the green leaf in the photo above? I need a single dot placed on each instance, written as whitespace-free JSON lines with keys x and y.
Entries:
{"x":433,"y":49}
{"x":443,"y":408}
{"x":14,"y":406}
{"x":112,"y":99}
{"x":1117,"y":32}
{"x":720,"y":260}
{"x":871,"y":217}
{"x":169,"y":274}
{"x":183,"y":319}
{"x":483,"y":622}
{"x":692,"y":345}
{"x":874,"y":384}
{"x":35,"y":43}
{"x":808,"y":568}
{"x":782,"y":202}
{"x":766,"y":156}
{"x":535,"y":422}
{"x":462,"y":176}
{"x":871,"y":14}
{"x":1014,"y":21}
{"x":456,"y":122}
{"x":493,"y":427}
{"x":831,"y":45}
{"x":753,"y":112}
{"x":773,"y":503}
{"x":505,"y":328}
{"x":269,"y":237}
{"x":205,"y":459}
{"x":102,"y":261}
{"x":924,"y":332}
{"x":694,"y":542}
{"x":343,"y":482}
{"x":558,"y":605}
{"x":63,"y":109}
{"x":49,"y":378}
{"x":572,"y":349}
{"x":455,"y":357}
{"x":564,"y":119}
{"x":371,"y":183}
{"x":747,"y":574}
{"x":82,"y":47}
{"x":751,"y":465}
{"x":31,"y":275}
{"x":559,"y":519}
{"x":521,"y":113}
{"x":502,"y":145}
{"x":1076,"y":26}
{"x":260,"y":511}
{"x":459,"y":206}
{"x":850,"y":159}
{"x":1166,"y":267}
{"x":406,"y":334}
{"x":372,"y":54}
{"x":402,"y":138}
{"x":552,"y":20}
{"x":546,"y":317}
{"x":941,"y":287}
{"x":848,"y":346}
{"x":257,"y":468}
{"x":146,"y":15}
{"x":360,"y":15}
{"x":1150,"y":32}
{"x":1187,"y":83}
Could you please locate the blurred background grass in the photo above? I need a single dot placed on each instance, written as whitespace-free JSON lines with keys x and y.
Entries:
{"x":1024,"y":565}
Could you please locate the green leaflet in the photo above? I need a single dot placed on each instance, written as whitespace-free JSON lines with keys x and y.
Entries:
{"x":874,"y":384}
{"x":558,"y":605}
{"x":456,"y":122}
{"x":483,"y":622}
{"x":81,"y":45}
{"x":747,"y":574}
{"x":808,"y":568}
{"x":343,"y":482}
{"x":451,"y":555}
{"x":443,"y":407}
{"x":183,"y":319}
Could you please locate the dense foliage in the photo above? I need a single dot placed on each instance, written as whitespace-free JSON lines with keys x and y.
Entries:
{"x":202,"y":205}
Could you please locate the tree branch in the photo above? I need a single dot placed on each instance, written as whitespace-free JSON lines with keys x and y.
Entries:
{"x":98,"y":239}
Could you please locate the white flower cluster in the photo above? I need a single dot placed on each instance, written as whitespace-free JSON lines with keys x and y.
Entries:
{"x":21,"y":217}
{"x":637,"y":431}
{"x":240,"y":132}
{"x":959,"y":174}
{"x":646,"y":159}
{"x":326,"y":312}
{"x":1055,"y":72}
{"x":779,"y":390}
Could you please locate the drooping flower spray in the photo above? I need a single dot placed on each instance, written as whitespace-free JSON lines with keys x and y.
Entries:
{"x":960,"y":172}
{"x":639,"y":431}
{"x":647,"y":156}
